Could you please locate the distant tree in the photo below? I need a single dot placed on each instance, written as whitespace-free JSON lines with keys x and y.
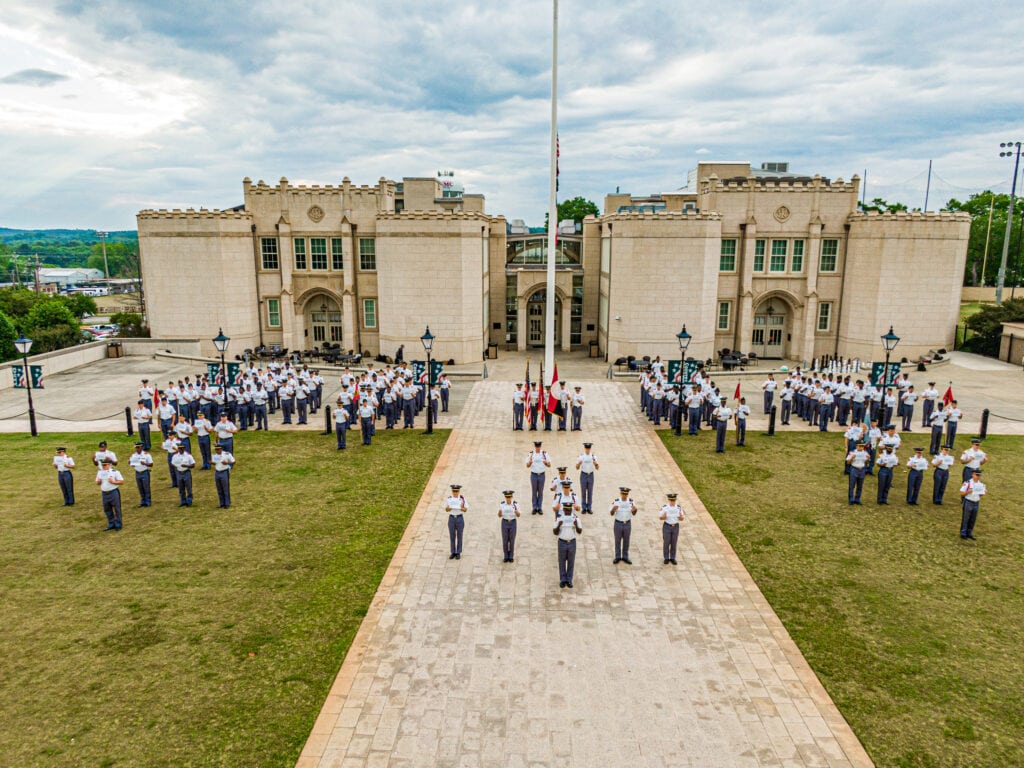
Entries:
{"x":17,"y":302}
{"x":8,"y":333}
{"x":988,"y":326}
{"x":50,"y":314}
{"x":879,"y":205}
{"x":79,"y":304}
{"x":117,"y":257}
{"x":129,"y":325}
{"x":978,"y":206}
{"x":576,"y":209}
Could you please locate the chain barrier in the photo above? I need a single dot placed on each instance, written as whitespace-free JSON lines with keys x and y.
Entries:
{"x":1007,"y":418}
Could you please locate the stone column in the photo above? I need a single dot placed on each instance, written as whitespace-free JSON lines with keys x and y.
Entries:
{"x":523,"y":322}
{"x":744,"y":309}
{"x":811,"y":256}
{"x":287,"y":256}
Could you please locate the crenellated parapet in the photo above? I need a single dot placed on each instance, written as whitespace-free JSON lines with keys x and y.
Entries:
{"x":875,"y":216}
{"x":815,"y":183}
{"x":661,"y":216}
{"x":206,"y":214}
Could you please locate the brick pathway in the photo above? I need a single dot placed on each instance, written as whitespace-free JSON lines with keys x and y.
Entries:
{"x":477,"y":663}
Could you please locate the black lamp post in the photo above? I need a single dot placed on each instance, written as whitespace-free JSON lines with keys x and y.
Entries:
{"x":220,"y":341}
{"x":889,"y":341}
{"x":24,"y":345}
{"x":684,"y":341}
{"x":428,"y":344}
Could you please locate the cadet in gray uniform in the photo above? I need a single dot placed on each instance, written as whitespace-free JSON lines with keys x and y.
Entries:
{"x":109,"y":480}
{"x":940,"y":477}
{"x":456,"y":508}
{"x":672,"y":516}
{"x":508,"y":511}
{"x":857,"y":460}
{"x":587,"y":464}
{"x":223,"y":463}
{"x":567,"y":527}
{"x":623,"y":510}
{"x":971,"y":492}
{"x":537,"y":461}
{"x":64,"y":464}
{"x":917,"y":464}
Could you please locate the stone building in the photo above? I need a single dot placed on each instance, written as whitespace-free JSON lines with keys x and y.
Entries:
{"x":757,"y":260}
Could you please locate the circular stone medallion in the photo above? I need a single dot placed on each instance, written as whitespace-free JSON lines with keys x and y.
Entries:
{"x":316,"y":213}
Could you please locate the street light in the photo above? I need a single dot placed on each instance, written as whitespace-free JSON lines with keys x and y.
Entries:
{"x":103,"y":239}
{"x":24,"y":345}
{"x":684,"y":341}
{"x":889,"y":341}
{"x":1009,"y":148}
{"x":220,"y":341}
{"x":428,"y":344}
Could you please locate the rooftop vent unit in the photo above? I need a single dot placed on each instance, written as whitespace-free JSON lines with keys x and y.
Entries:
{"x":775,"y":167}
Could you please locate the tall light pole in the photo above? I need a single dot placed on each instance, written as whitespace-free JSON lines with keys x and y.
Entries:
{"x":428,"y":344}
{"x":889,"y":341}
{"x":24,"y":346}
{"x":220,"y":341}
{"x":103,"y":240}
{"x":1009,"y":148}
{"x":684,"y":341}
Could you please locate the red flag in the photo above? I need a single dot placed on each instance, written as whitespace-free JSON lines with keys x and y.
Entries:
{"x":948,"y":397}
{"x":737,"y":395}
{"x":552,"y":400}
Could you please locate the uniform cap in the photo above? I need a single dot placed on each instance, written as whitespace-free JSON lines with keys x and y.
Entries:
{"x":106,"y":461}
{"x":577,"y":387}
{"x":861,"y":445}
{"x":566,"y":505}
{"x":456,"y":487}
{"x":103,"y":443}
{"x":536,"y":443}
{"x":508,"y":494}
{"x":217,"y":447}
{"x":931,"y":383}
{"x":624,"y":489}
{"x":588,"y":445}
{"x":976,"y":471}
{"x":138,"y":445}
{"x":566,"y":483}
{"x":181,"y":446}
{"x":141,"y":402}
{"x":976,"y":440}
{"x":519,"y":384}
{"x":145,"y":381}
{"x":671,"y":496}
{"x":563,"y":469}
{"x":61,"y":448}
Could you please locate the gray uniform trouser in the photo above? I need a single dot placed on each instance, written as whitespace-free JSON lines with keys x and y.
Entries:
{"x":222,"y":479}
{"x":566,"y":559}
{"x":67,"y":486}
{"x":508,"y":538}
{"x":455,"y":525}
{"x":970,"y":517}
{"x":537,"y":490}
{"x":517,"y":415}
{"x":622,"y":531}
{"x":720,"y":427}
{"x":669,"y":538}
{"x":577,"y":416}
{"x":112,"y":507}
{"x":586,"y":490}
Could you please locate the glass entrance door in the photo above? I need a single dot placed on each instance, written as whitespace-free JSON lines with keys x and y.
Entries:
{"x":536,"y":309}
{"x":769,"y":336}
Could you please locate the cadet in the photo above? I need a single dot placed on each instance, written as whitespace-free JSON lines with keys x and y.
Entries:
{"x":907,"y":400}
{"x":536,"y":461}
{"x":623,"y":509}
{"x":565,"y":494}
{"x":953,"y":414}
{"x":972,"y":458}
{"x":108,"y":479}
{"x":508,"y":511}
{"x":183,"y":463}
{"x":165,"y":412}
{"x":858,"y":461}
{"x":142,"y":462}
{"x":203,"y":427}
{"x":518,"y":407}
{"x":769,"y":386}
{"x":886,"y":461}
{"x":693,"y":405}
{"x":742,"y":412}
{"x":222,"y":464}
{"x":722,"y":415}
{"x":577,"y":410}
{"x":170,"y":445}
{"x":937,"y":421}
{"x":567,"y":528}
{"x":366,"y":421}
{"x":556,"y":484}
{"x":971,"y":492}
{"x":341,"y":417}
{"x":184,"y":430}
{"x":64,"y":465}
{"x":445,"y":387}
{"x":225,"y":430}
{"x":103,"y":453}
{"x":786,"y":397}
{"x":143,"y":419}
{"x":259,"y":407}
{"x":587,"y":464}
{"x":534,"y":404}
{"x":456,"y":508}
{"x":671,"y":515}
{"x":940,"y":477}
{"x":917,"y":464}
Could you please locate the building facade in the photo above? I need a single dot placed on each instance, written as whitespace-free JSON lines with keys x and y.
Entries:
{"x":755,"y":260}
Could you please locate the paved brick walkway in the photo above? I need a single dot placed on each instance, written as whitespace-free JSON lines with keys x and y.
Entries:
{"x":477,"y":663}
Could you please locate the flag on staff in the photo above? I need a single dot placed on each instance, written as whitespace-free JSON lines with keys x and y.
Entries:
{"x":947,"y":398}
{"x":554,"y":405}
{"x":737,"y":395}
{"x":558,"y":154}
{"x":529,"y":410}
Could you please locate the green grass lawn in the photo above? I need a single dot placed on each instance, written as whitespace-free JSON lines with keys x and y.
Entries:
{"x":916,"y":634}
{"x":193,"y":637}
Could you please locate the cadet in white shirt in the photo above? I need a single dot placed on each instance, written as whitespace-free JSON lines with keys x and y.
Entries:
{"x":917,"y":465}
{"x":222,"y":464}
{"x":567,"y":528}
{"x":907,"y":399}
{"x":858,"y":460}
{"x":518,"y":408}
{"x":565,"y":494}
{"x":722,"y":414}
{"x":508,"y":511}
{"x":142,"y":462}
{"x":577,"y":410}
{"x":109,"y":480}
{"x":366,"y":414}
{"x":64,"y":465}
{"x":587,"y":464}
{"x":937,"y":421}
{"x":170,"y":445}
{"x":623,"y":509}
{"x":769,"y":392}
{"x":886,"y":461}
{"x":203,"y":427}
{"x":928,"y":399}
{"x":455,"y":506}
{"x":183,"y":463}
{"x":341,"y":419}
{"x":103,"y":453}
{"x":672,"y":516}
{"x":742,"y":412}
{"x":953,"y":416}
{"x":940,"y":477}
{"x":225,"y":430}
{"x":445,"y":388}
{"x":971,"y":492}
{"x":184,"y":430}
{"x":972,"y":458}
{"x":537,"y":461}
{"x":143,"y":420}
{"x":165,"y":412}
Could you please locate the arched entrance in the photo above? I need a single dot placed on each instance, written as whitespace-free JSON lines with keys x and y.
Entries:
{"x":323,"y":320}
{"x":536,"y":315}
{"x":772,"y":327}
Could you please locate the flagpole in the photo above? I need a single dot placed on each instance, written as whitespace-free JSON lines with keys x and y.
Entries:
{"x":549,"y":322}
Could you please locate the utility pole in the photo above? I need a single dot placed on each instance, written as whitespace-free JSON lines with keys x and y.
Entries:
{"x":1009,"y":149}
{"x":103,"y":239}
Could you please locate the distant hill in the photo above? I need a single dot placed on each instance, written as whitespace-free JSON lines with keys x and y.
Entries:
{"x":8,"y":235}
{"x":58,"y":247}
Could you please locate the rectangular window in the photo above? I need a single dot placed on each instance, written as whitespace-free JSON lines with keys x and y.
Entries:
{"x":274,"y":313}
{"x":337,"y":255}
{"x":829,"y":256}
{"x":796,"y":264}
{"x":724,"y":308}
{"x":300,"y":253}
{"x":369,"y":313}
{"x":780,"y":249}
{"x":576,"y":320}
{"x":318,"y":252}
{"x":759,"y":246}
{"x":268,"y":250}
{"x":367,"y":253}
{"x":825,"y":316}
{"x":606,"y":254}
{"x":727,"y":259}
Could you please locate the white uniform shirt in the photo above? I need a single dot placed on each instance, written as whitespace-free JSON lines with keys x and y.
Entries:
{"x":140,"y":462}
{"x":508,"y":511}
{"x":742,"y":411}
{"x":578,"y":400}
{"x":143,"y":414}
{"x":893,"y":440}
{"x":769,"y":385}
{"x":183,"y":429}
{"x":518,"y":398}
{"x":165,"y":411}
{"x":183,"y":460}
{"x":672,"y":513}
{"x":107,"y":478}
{"x":225,"y":429}
{"x":341,"y":415}
{"x":587,"y":462}
{"x":366,"y":410}
{"x":562,"y":497}
{"x":624,"y":509}
{"x":203,"y":427}
{"x":943,"y":461}
{"x":888,"y":460}
{"x":937,"y":418}
{"x":975,"y":489}
{"x":723,"y":412}
{"x":170,"y":444}
{"x":858,"y":459}
{"x":455,"y":505}
{"x":99,"y":456}
{"x":63,"y":463}
{"x":917,"y":462}
{"x":953,"y":415}
{"x":909,"y":398}
{"x":569,"y":522}
{"x":556,"y":484}
{"x":973,"y":457}
{"x":222,"y":460}
{"x":537,"y":461}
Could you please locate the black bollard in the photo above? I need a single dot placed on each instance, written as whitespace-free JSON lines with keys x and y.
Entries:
{"x":327,"y":419}
{"x":983,"y":433}
{"x":771,"y":422}
{"x":128,"y":420}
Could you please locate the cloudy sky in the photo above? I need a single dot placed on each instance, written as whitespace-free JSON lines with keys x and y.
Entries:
{"x":111,"y":106}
